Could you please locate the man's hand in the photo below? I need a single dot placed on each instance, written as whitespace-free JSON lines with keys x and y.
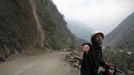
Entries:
{"x":110,"y":65}
{"x":100,"y":69}
{"x":85,"y":48}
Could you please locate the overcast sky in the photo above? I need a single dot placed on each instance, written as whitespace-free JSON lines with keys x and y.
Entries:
{"x":103,"y":15}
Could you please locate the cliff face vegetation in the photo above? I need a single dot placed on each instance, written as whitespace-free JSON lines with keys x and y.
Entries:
{"x":31,"y":23}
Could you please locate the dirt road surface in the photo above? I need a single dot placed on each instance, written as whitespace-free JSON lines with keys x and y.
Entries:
{"x":47,"y":64}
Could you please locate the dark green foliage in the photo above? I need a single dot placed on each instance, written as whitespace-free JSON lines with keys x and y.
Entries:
{"x":54,"y":25}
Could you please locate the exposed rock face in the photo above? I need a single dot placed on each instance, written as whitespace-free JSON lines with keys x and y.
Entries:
{"x":18,"y":28}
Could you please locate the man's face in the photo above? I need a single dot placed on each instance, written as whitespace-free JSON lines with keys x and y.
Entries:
{"x":98,"y":38}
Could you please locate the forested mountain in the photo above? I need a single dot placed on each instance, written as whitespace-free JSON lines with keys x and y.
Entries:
{"x":122,"y":36}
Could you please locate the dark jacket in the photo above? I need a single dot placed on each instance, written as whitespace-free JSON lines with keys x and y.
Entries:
{"x":92,"y":60}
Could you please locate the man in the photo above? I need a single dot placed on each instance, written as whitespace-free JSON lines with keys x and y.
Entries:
{"x":92,"y":58}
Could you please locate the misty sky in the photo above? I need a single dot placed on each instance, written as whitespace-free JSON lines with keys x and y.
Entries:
{"x":103,"y":15}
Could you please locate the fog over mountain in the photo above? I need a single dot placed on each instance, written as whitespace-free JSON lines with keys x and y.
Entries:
{"x":103,"y":15}
{"x":80,"y":30}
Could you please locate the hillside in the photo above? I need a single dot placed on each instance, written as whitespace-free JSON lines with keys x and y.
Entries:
{"x":53,"y":24}
{"x":79,"y":29}
{"x":31,"y":24}
{"x":122,"y":36}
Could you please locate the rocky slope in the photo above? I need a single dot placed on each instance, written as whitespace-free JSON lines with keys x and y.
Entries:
{"x":31,"y":23}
